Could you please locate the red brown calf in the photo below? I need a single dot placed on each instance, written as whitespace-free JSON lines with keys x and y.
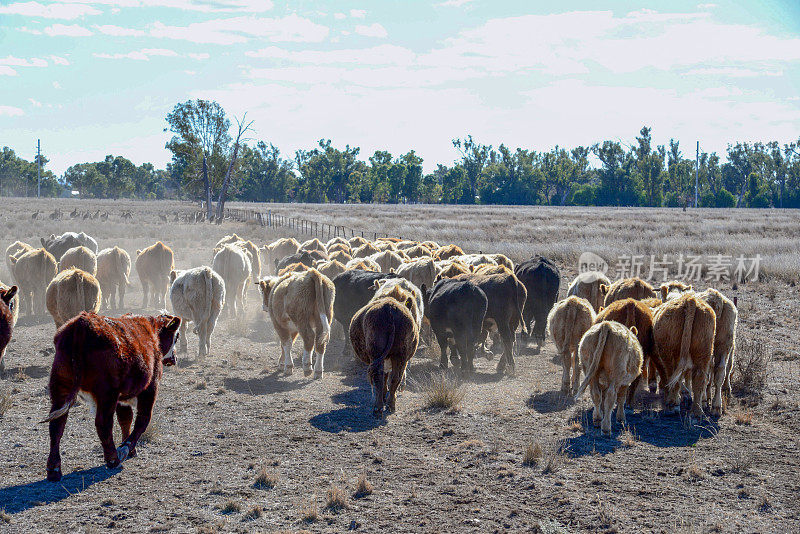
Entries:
{"x":113,"y":363}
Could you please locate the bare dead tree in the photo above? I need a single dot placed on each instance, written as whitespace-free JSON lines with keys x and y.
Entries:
{"x":243,"y":128}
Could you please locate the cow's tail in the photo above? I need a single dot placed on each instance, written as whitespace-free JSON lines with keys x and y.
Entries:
{"x":380,"y":353}
{"x":76,"y":340}
{"x":324,"y":305}
{"x":80,"y":288}
{"x":630,"y":316}
{"x":594,"y":364}
{"x":684,"y":360}
{"x":209,"y":300}
{"x":520,"y":305}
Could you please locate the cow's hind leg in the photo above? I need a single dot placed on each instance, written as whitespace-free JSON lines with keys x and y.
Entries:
{"x":441,"y":339}
{"x":146,"y":292}
{"x":609,"y":397}
{"x":183,"y":347}
{"x":621,"y":396}
{"x":398,"y":371}
{"x":307,"y":336}
{"x":699,"y":379}
{"x":566,"y":363}
{"x":58,"y":397}
{"x":121,"y":288}
{"x":378,"y":381}
{"x":320,"y":346}
{"x":508,"y":349}
{"x":125,"y":419}
{"x":576,"y":371}
{"x":597,"y":410}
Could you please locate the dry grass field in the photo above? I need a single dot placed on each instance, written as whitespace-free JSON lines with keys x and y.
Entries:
{"x":236,"y":447}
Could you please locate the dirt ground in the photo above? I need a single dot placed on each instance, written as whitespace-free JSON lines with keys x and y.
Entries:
{"x":221,"y":422}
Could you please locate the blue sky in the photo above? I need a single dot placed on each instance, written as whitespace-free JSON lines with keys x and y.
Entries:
{"x":97,"y":77}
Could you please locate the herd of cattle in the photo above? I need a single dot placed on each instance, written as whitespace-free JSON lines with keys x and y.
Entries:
{"x":386,"y":295}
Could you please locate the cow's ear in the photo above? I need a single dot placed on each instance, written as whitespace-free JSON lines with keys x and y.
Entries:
{"x":690,"y":288}
{"x":172,"y":276}
{"x":44,"y":243}
{"x":471,"y":268}
{"x":410,"y":303}
{"x":8,"y":294}
{"x":13,"y":260}
{"x":634,"y":331}
{"x":664,"y":292}
{"x":138,"y":251}
{"x":603,"y":288}
{"x":391,"y":269}
{"x":601,"y":309}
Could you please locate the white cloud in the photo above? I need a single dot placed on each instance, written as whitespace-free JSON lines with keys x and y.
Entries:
{"x":291,"y":28}
{"x":56,"y":85}
{"x":67,"y":30}
{"x":7,"y":71}
{"x":35,"y":103}
{"x":454,"y":3}
{"x":734,"y":72}
{"x":22,"y":62}
{"x":58,"y":60}
{"x":376,"y":55}
{"x":119,"y":31}
{"x":358,"y":13}
{"x":199,"y":57}
{"x":706,"y":6}
{"x":373,"y":30}
{"x":67,"y":11}
{"x":10,"y":111}
{"x":339,"y":16}
{"x":32,"y":31}
{"x":138,"y":55}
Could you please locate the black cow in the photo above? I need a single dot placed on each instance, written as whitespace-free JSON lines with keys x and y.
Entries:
{"x":541,"y":278}
{"x":354,"y":289}
{"x":456,"y":310}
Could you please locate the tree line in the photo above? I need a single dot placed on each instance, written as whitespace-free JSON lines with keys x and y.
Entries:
{"x":208,"y":163}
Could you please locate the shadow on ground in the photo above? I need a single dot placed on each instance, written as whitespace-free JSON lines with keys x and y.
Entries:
{"x":265,"y":385}
{"x":550,"y":401}
{"x":657,"y":429}
{"x":356,"y":416}
{"x":15,"y":499}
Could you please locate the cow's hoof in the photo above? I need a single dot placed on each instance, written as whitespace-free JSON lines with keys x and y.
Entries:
{"x":287,"y":371}
{"x":307,"y":371}
{"x":123,"y":451}
{"x":377,"y":414}
{"x":317,"y":375}
{"x":54,"y":475}
{"x":716,"y":411}
{"x":113,"y":464}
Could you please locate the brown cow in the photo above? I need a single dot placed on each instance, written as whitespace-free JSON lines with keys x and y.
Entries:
{"x":384,"y":331}
{"x":611,"y":358}
{"x":489,"y":268}
{"x":592,"y":286}
{"x":79,"y":258}
{"x":567,"y":322}
{"x":113,"y":364}
{"x":153,"y":266}
{"x":630,"y":312}
{"x":294,"y":268}
{"x":113,"y":272}
{"x":628,"y":288}
{"x":683,"y":330}
{"x":9,"y":311}
{"x":300,"y":303}
{"x":33,"y":271}
{"x":71,"y":292}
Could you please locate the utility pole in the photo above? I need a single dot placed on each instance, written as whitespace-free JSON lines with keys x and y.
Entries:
{"x":696,"y":172}
{"x":38,"y":168}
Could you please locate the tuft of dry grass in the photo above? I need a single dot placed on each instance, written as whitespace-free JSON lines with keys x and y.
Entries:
{"x":750,"y":369}
{"x":442,"y":391}
{"x":532,"y":454}
{"x":554,"y":457}
{"x":20,"y":376}
{"x":336,"y":499}
{"x":152,"y":432}
{"x":694,"y":472}
{"x":4,"y":517}
{"x":253,"y":513}
{"x":5,"y":401}
{"x":741,"y":460}
{"x":628,"y":437}
{"x":743,"y":416}
{"x":266,"y":479}
{"x":363,"y":487}
{"x":309,"y":511}
{"x":231,"y":507}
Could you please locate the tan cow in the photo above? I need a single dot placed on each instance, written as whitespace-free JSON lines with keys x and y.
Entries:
{"x":293,"y":268}
{"x":567,"y":322}
{"x":340,"y":256}
{"x":727,"y":318}
{"x":432,"y":245}
{"x":611,"y":358}
{"x":71,"y":292}
{"x":233,"y":265}
{"x":15,"y":249}
{"x":356,"y":242}
{"x":387,"y":260}
{"x":489,"y":268}
{"x":228,"y":239}
{"x":197,"y":295}
{"x":336,"y":241}
{"x":313,"y":244}
{"x":277,"y":250}
{"x":300,"y":303}
{"x":420,"y":272}
{"x":448,"y":251}
{"x":364,"y":264}
{"x":451,"y":269}
{"x":672,"y":289}
{"x":592,"y":286}
{"x":331,"y":268}
{"x":502,"y":259}
{"x":33,"y":271}
{"x":254,"y":257}
{"x":418,"y":251}
{"x":365,"y":251}
{"x":113,"y":272}
{"x":683,"y":330}
{"x":79,"y":258}
{"x":628,"y":288}
{"x":153,"y":266}
{"x":340,"y":247}
{"x":475,"y":259}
